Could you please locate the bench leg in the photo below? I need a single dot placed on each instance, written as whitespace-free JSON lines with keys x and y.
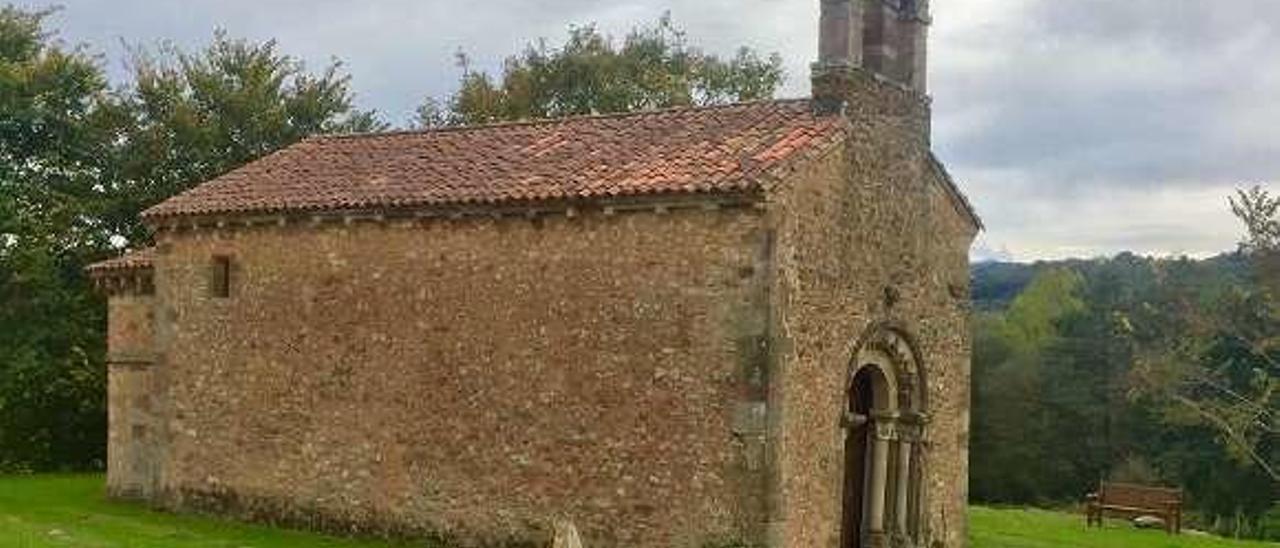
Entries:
{"x":1092,"y":516}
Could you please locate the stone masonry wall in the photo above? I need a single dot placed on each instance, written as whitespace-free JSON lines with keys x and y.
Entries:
{"x":867,"y":218}
{"x":131,"y":397}
{"x":475,"y":377}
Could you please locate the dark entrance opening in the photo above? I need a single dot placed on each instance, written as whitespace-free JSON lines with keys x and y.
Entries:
{"x":856,"y":458}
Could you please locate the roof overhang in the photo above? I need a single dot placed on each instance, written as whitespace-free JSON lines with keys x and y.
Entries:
{"x":958,"y":199}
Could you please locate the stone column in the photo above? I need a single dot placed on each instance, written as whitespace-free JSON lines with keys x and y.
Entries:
{"x":921,"y":463}
{"x":885,"y":424}
{"x":903,"y":488}
{"x":911,"y":518}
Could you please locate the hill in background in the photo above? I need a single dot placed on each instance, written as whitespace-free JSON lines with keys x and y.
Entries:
{"x":1088,"y":369}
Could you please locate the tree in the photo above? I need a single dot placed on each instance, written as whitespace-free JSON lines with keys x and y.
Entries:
{"x":192,"y":116}
{"x":53,"y":142}
{"x":654,"y":67}
{"x":78,"y":163}
{"x":1260,"y":213}
{"x":1221,"y":367}
{"x":1011,"y":393}
{"x":1032,"y":317}
{"x":1259,"y":210}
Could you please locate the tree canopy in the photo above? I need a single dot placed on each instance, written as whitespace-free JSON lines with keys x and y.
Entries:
{"x":78,"y":163}
{"x":1220,"y":365}
{"x":192,"y":116}
{"x":52,"y":143}
{"x":653,"y":67}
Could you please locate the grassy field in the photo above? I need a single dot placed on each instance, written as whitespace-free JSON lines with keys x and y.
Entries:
{"x":70,"y":511}
{"x":1024,"y":528}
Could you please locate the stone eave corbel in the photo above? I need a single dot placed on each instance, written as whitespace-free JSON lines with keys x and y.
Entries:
{"x":136,"y":280}
{"x":656,"y":204}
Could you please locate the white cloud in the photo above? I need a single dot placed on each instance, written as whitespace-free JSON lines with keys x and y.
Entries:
{"x":1171,"y":220}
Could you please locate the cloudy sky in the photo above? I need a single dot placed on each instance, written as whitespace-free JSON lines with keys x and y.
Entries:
{"x":1078,"y":127}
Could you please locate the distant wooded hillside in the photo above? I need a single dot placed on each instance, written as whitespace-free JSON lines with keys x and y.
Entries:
{"x":1089,"y":369}
{"x":997,"y":283}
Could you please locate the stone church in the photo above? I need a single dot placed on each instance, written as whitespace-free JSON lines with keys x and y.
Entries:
{"x":740,"y":325}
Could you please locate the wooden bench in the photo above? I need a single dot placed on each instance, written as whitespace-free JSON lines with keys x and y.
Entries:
{"x":1135,"y":500}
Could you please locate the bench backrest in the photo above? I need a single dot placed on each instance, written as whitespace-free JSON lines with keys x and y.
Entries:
{"x":1138,"y":496}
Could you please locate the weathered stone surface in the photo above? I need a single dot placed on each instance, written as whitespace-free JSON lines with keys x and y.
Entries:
{"x":134,"y":416}
{"x":471,"y":377}
{"x":566,"y":535}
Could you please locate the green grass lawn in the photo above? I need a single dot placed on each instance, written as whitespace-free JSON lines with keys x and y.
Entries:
{"x":1027,"y":528}
{"x":70,"y":511}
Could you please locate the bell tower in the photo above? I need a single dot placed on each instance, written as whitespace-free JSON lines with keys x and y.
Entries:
{"x":886,"y":38}
{"x":894,"y":40}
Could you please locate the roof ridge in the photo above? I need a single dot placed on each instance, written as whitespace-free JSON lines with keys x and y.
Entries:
{"x":549,"y":121}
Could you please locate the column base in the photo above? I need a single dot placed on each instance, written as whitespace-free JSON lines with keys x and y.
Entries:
{"x":878,"y":540}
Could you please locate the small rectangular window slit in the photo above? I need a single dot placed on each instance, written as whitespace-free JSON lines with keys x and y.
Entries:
{"x":220,"y":281}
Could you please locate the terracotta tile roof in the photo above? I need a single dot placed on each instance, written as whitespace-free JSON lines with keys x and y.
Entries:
{"x":133,"y":260}
{"x":683,"y":151}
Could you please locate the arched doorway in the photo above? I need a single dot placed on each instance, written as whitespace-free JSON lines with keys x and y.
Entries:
{"x":883,"y":500}
{"x":870,"y":399}
{"x":857,"y":457}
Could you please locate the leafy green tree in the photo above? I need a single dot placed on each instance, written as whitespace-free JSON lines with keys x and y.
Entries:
{"x":1260,"y":213}
{"x":192,"y":116}
{"x":78,"y":163}
{"x":1093,"y":430}
{"x":52,"y":145}
{"x":1259,"y":210}
{"x":1053,"y":294}
{"x":1220,"y":367}
{"x":1010,"y":430}
{"x":654,"y":67}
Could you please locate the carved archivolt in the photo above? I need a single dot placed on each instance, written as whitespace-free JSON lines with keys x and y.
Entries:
{"x":894,"y":345}
{"x":886,"y":347}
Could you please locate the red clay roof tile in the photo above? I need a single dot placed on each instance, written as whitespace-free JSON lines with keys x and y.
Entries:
{"x":133,"y":260}
{"x":682,"y":151}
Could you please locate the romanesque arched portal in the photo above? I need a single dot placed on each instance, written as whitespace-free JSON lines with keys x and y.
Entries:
{"x":885,"y":422}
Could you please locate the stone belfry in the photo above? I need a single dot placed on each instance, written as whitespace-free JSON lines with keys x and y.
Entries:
{"x":887,"y":38}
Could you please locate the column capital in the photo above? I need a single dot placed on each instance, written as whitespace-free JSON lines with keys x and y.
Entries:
{"x":886,"y":431}
{"x":853,"y":420}
{"x":886,"y":415}
{"x":886,"y":424}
